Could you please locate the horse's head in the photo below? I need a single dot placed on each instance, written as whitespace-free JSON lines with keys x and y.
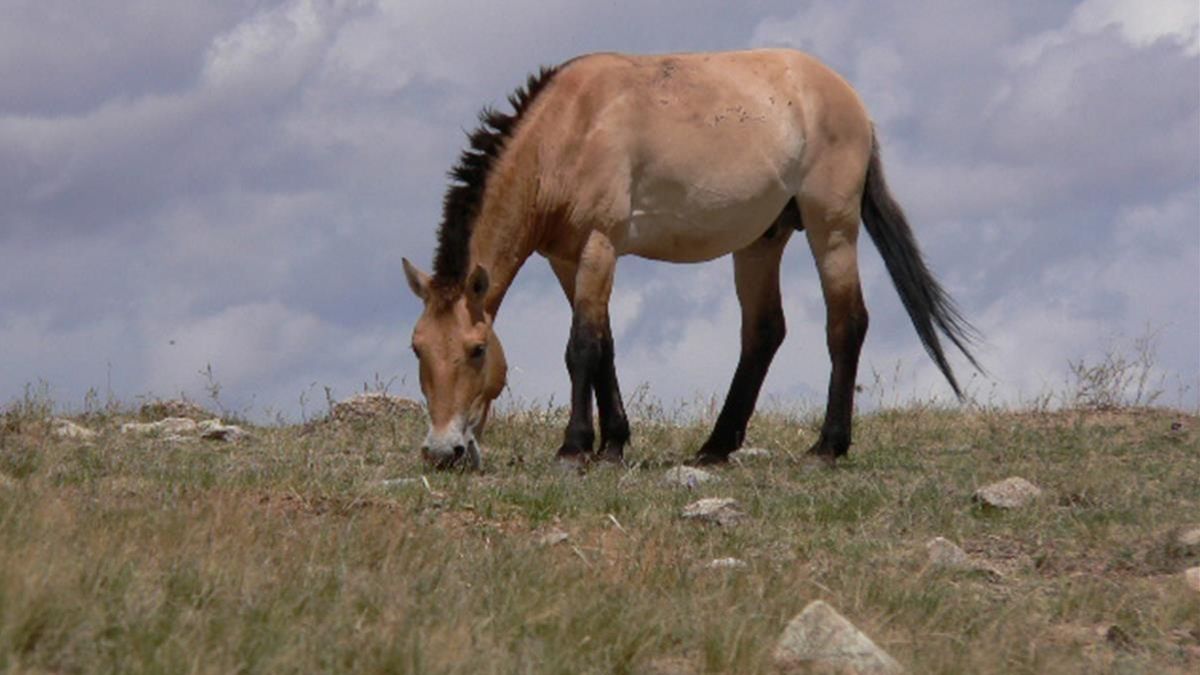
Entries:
{"x":461,"y":362}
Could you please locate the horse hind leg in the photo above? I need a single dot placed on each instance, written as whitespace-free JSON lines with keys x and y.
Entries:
{"x":756,"y":276}
{"x":832,"y":230}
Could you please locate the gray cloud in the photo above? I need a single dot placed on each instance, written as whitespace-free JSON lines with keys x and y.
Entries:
{"x":233,"y":184}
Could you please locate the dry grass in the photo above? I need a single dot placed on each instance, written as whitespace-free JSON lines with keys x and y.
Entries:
{"x":283,"y":553}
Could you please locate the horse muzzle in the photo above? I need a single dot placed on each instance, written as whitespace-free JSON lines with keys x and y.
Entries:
{"x":455,"y":450}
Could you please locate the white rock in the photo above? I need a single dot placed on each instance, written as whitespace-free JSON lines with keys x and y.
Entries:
{"x":552,"y":536}
{"x":750,"y":455}
{"x":68,"y":429}
{"x":719,"y":510}
{"x":1010,"y":493}
{"x":1192,"y":577}
{"x":176,"y":425}
{"x":819,"y":639}
{"x":399,"y":482}
{"x":215,"y":430}
{"x":171,"y":426}
{"x":1189,"y":540}
{"x":947,"y":554}
{"x":688,"y":477}
{"x":727,"y":564}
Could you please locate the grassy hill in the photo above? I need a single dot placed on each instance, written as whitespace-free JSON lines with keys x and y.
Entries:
{"x":303,"y":549}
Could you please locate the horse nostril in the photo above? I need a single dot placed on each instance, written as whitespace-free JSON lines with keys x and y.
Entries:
{"x":459,"y":451}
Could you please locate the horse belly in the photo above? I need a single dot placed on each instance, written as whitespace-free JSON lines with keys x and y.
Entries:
{"x":690,"y":224}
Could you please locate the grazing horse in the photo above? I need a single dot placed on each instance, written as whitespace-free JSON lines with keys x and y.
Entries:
{"x":682,"y":158}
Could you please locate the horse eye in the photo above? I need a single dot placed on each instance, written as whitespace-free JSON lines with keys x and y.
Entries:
{"x":478,"y":351}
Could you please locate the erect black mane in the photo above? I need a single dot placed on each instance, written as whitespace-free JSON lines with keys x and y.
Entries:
{"x":469,"y":180}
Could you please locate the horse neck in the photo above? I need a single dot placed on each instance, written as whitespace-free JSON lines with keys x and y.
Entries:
{"x":503,"y":238}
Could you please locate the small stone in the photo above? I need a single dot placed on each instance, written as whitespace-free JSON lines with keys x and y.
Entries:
{"x":720,"y":510}
{"x":7,"y":483}
{"x":821,"y":640}
{"x":176,"y":425}
{"x":68,"y":429}
{"x":552,"y":536}
{"x":750,"y":455}
{"x":1010,"y":493}
{"x":171,"y":426}
{"x":1192,"y":577}
{"x":727,"y":564}
{"x":391,"y":483}
{"x":946,"y":554}
{"x":688,"y":477}
{"x":671,"y":665}
{"x":1188,"y":541}
{"x":215,"y":430}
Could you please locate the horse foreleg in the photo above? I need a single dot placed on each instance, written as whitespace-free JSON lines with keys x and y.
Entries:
{"x":756,"y":276}
{"x":590,"y":355}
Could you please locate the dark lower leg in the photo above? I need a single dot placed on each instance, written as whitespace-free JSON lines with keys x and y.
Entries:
{"x":614,"y":425}
{"x":758,"y":349}
{"x":582,"y":353}
{"x":847,"y":327}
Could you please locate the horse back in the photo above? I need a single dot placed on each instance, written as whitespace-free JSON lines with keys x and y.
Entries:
{"x":704,"y":146}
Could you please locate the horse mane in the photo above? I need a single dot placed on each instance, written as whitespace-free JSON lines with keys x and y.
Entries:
{"x":468,"y":180}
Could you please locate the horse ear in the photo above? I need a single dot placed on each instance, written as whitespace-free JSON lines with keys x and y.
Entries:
{"x":477,"y":283}
{"x":418,"y":281}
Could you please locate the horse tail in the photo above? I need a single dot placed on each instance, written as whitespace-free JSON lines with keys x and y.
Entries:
{"x":928,"y":304}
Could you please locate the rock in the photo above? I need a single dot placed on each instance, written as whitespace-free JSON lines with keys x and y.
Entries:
{"x":688,"y":477}
{"x":153,"y":411}
{"x":727,"y":564}
{"x":68,"y":429}
{"x":1188,"y":541}
{"x":750,"y":455}
{"x":1010,"y":493}
{"x":670,"y":665}
{"x":552,"y":536}
{"x":374,"y":405}
{"x":391,"y":483}
{"x":1192,"y":577}
{"x":171,"y":426}
{"x":215,"y":430}
{"x":720,"y":510}
{"x":946,"y":554}
{"x":819,"y":639}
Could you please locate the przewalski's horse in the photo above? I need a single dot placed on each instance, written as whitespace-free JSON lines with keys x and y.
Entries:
{"x":681,"y":158}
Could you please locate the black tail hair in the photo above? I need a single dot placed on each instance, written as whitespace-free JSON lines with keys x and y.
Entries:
{"x":927,"y":302}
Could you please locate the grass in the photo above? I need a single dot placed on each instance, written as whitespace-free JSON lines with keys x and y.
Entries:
{"x":284,"y":553}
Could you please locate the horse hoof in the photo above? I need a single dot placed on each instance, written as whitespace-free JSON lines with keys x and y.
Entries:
{"x":819,"y":457}
{"x":708,"y":459}
{"x":572,"y":462}
{"x":611,"y":456}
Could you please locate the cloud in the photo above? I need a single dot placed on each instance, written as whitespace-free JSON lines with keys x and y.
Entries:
{"x":243,"y":177}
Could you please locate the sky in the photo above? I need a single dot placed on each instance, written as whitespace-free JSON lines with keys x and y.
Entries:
{"x":220,"y":193}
